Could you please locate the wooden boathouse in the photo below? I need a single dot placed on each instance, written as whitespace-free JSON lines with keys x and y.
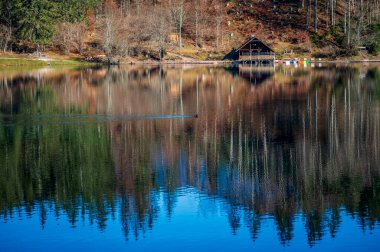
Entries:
{"x":255,"y":52}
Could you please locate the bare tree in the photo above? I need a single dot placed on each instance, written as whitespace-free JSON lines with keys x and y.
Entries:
{"x":160,"y":28}
{"x":308,"y":18}
{"x":112,"y":29}
{"x":6,"y":28}
{"x":71,"y":37}
{"x":5,"y":37}
{"x":62,"y":38}
{"x":349,"y":24}
{"x":199,"y":16}
{"x":196,"y":22}
{"x":316,"y":15}
{"x":219,"y":16}
{"x":178,"y":16}
{"x":79,"y":33}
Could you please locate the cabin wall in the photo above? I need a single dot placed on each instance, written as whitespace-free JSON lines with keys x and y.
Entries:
{"x":257,"y":57}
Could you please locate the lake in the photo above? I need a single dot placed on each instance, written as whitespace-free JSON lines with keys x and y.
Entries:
{"x":190,"y":158}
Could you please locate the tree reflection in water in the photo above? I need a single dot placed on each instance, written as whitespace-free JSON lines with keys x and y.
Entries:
{"x":303,"y":141}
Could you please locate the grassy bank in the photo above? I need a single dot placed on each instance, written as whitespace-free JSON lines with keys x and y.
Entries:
{"x":22,"y":62}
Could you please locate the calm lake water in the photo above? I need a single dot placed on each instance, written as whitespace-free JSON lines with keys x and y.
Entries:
{"x":190,"y":158}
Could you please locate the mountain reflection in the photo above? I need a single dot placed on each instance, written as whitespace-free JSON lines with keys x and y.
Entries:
{"x":303,"y":141}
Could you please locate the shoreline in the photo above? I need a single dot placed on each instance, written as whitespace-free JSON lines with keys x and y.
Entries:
{"x":220,"y":62}
{"x":35,"y":62}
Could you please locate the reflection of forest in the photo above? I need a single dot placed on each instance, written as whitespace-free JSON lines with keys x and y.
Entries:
{"x":302,"y":141}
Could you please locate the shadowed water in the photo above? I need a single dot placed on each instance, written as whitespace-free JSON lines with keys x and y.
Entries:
{"x":190,"y":158}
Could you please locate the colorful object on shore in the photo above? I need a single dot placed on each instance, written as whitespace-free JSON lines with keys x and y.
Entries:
{"x":295,"y":62}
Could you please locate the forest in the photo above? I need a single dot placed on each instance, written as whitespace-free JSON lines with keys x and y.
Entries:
{"x":199,"y":29}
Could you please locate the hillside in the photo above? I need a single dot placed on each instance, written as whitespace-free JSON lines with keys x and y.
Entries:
{"x":284,"y":25}
{"x":134,"y":30}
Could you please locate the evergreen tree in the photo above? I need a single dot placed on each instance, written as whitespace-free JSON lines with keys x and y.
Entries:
{"x":36,"y":20}
{"x":75,"y":11}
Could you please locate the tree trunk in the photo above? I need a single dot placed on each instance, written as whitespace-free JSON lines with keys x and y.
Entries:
{"x":196,"y":27}
{"x":308,"y":19}
{"x":349,"y":24}
{"x":345,"y":21}
{"x":180,"y":25}
{"x":332,"y":11}
{"x":316,"y":15}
